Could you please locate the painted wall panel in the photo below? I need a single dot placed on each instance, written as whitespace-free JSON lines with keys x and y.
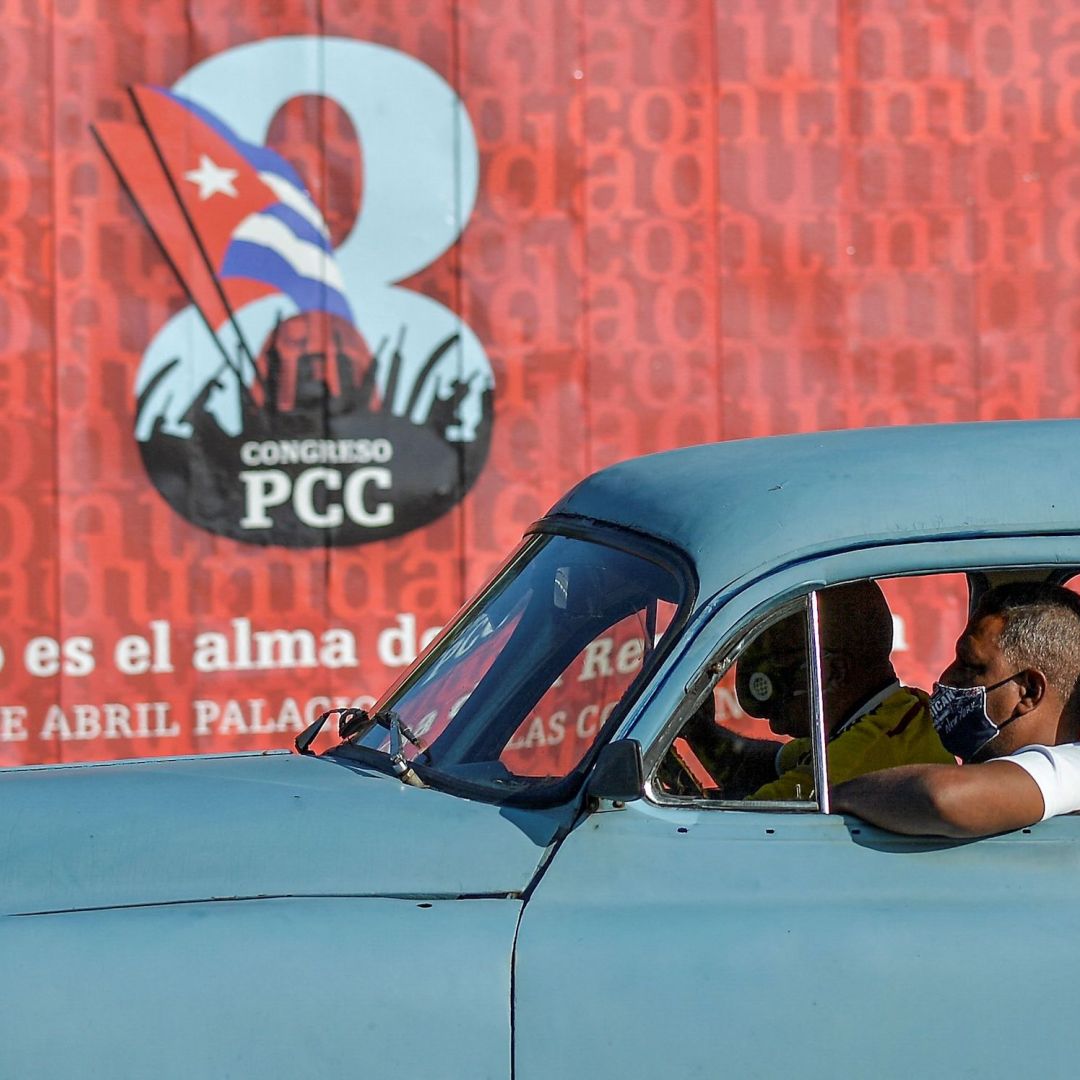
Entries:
{"x":554,"y":236}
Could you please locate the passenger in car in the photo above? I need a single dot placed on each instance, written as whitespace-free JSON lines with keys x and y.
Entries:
{"x":1006,"y":707}
{"x":871,"y":721}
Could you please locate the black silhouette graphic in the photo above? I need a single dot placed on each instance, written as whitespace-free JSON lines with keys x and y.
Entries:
{"x":323,"y":406}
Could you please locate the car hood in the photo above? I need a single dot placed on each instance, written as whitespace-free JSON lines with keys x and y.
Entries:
{"x":74,"y":837}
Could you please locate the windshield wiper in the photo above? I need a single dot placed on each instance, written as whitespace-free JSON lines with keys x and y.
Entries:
{"x":399,"y":731}
{"x":350,"y":721}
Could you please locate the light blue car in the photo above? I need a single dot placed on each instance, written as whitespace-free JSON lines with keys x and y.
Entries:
{"x":487,"y":878}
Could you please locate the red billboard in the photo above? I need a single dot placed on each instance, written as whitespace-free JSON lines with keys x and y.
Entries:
{"x":309,"y":310}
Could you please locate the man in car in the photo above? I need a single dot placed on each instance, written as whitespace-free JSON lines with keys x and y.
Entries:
{"x":871,"y":721}
{"x":1007,"y":708}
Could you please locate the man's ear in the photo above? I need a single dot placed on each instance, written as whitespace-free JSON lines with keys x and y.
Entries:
{"x":1032,"y":684}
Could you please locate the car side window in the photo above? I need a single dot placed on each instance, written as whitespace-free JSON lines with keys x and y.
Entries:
{"x":748,"y":736}
{"x":873,"y":650}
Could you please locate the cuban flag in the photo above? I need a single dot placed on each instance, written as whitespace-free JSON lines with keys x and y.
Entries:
{"x":234,"y":219}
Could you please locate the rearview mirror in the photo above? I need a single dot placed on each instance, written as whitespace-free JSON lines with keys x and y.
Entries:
{"x":579,"y":591}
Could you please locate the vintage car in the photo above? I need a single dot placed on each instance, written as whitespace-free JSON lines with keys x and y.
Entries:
{"x":507,"y":869}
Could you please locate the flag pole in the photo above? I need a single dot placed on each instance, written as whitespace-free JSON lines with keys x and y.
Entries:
{"x":197,"y":238}
{"x":162,"y":247}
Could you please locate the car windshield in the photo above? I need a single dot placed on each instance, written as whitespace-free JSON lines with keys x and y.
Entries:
{"x":514,"y":695}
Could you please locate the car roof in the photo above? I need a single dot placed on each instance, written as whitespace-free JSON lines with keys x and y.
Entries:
{"x":738,"y":508}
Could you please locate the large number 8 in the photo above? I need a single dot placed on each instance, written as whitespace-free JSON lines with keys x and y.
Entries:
{"x":420,"y":177}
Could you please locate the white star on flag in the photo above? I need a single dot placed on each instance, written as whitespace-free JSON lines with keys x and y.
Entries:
{"x":212,"y":179}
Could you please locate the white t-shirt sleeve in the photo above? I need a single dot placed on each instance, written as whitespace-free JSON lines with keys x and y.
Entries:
{"x":1056,"y":769}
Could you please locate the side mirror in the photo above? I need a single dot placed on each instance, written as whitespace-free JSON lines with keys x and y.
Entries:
{"x":618,"y":773}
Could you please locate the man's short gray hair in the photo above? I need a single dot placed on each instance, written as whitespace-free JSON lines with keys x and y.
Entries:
{"x":1042,"y":630}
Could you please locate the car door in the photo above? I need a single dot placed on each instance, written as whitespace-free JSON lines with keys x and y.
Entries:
{"x":722,"y":943}
{"x":704,"y":939}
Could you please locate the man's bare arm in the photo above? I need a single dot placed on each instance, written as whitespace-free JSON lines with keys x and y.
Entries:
{"x":944,"y":800}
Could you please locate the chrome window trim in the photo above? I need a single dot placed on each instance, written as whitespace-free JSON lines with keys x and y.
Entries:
{"x":817,"y":703}
{"x":738,"y":806}
{"x":703,"y":682}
